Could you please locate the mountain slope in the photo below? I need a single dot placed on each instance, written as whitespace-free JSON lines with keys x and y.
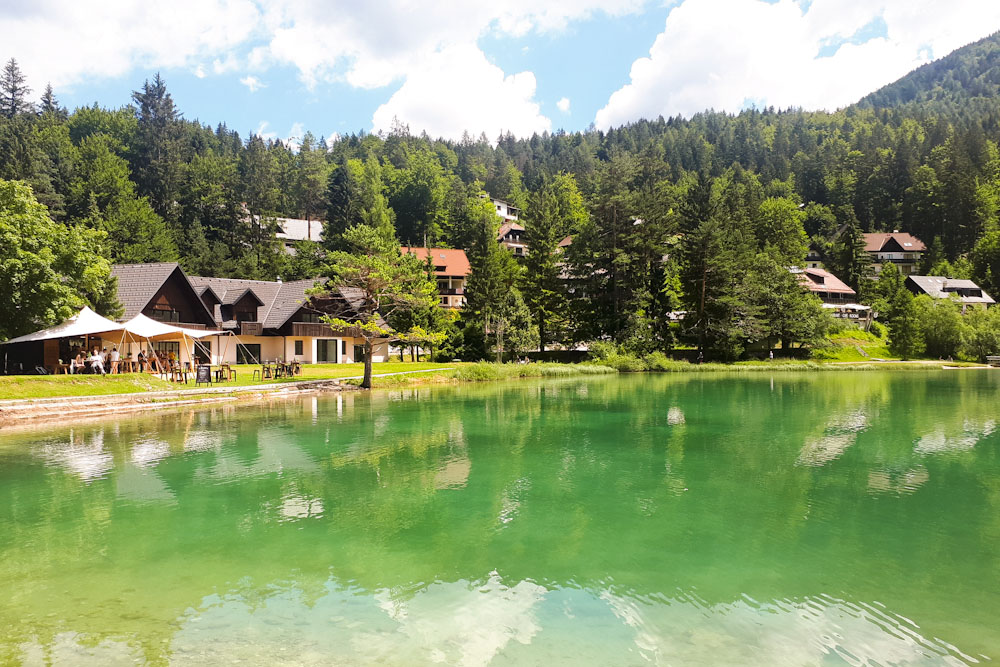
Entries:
{"x":967,"y":76}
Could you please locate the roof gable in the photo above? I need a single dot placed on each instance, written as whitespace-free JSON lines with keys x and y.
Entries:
{"x":138,"y":284}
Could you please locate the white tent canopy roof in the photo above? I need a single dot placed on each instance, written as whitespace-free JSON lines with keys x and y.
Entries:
{"x":141,"y":326}
{"x":84,"y":323}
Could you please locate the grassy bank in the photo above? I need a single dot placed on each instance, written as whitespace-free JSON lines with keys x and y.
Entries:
{"x":50,"y":386}
{"x":45,"y":386}
{"x":484,"y":371}
{"x":426,"y":373}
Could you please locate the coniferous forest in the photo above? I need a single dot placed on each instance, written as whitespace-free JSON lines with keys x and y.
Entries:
{"x":701,"y":214}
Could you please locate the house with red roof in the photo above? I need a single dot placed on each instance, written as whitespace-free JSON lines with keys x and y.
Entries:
{"x":836,"y":295}
{"x":899,"y":248}
{"x":451,"y":268}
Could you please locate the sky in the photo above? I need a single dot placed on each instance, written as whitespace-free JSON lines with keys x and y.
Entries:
{"x":281,"y":67}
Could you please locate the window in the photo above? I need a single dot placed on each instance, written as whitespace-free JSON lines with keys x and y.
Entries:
{"x":246,"y":316}
{"x":310,"y":317}
{"x":343,"y":348}
{"x":326,"y":350}
{"x":248,"y":353}
{"x":169,"y":315}
{"x":359,"y":353}
{"x":298,"y":348}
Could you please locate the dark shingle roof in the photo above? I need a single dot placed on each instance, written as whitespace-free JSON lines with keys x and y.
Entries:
{"x":138,"y":283}
{"x":279,"y":300}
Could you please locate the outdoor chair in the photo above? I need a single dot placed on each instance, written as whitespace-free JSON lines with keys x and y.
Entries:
{"x":229,"y":372}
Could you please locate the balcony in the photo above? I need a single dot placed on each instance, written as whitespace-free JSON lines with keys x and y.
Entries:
{"x":320,"y":330}
{"x":251,"y":328}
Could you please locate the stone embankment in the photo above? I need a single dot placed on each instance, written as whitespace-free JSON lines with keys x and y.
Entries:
{"x":61,"y":407}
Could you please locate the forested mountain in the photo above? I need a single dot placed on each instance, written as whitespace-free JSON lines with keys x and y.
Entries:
{"x":968,"y":76}
{"x":729,"y":199}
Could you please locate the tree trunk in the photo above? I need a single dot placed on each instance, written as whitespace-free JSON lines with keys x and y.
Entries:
{"x":366,"y":383}
{"x":413,"y":353}
{"x":541,"y":331}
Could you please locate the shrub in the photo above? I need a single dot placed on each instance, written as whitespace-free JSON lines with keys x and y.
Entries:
{"x":602,"y":349}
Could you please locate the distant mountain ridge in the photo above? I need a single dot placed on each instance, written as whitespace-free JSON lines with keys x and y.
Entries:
{"x":968,"y":75}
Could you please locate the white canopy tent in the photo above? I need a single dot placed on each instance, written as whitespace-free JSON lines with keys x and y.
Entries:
{"x":137,"y":330}
{"x":142,"y":328}
{"x":84,"y":323}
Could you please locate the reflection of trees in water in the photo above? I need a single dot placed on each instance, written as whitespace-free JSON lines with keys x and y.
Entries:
{"x":665,"y":482}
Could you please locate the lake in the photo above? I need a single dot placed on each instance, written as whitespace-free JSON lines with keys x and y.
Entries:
{"x":788,"y":519}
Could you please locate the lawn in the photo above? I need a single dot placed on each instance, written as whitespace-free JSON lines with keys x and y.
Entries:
{"x":48,"y":386}
{"x":245,"y":376}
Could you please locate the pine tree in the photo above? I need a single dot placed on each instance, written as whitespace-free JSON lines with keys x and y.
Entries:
{"x":853,"y":262}
{"x":156,"y":153}
{"x":49,"y":104}
{"x":492,"y":281}
{"x":386,"y":281}
{"x":311,"y":179}
{"x":13,"y":91}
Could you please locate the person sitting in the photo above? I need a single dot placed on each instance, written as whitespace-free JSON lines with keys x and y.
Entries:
{"x":76,"y":364}
{"x":114,"y":357}
{"x":96,"y":362}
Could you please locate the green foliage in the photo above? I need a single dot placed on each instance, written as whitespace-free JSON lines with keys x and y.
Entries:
{"x":489,"y":372}
{"x":385,"y":281}
{"x":905,"y":330}
{"x":48,"y":271}
{"x":981,"y":333}
{"x":941,"y":325}
{"x":494,"y":306}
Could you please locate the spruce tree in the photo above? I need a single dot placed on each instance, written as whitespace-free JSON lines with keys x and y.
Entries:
{"x":13,"y":91}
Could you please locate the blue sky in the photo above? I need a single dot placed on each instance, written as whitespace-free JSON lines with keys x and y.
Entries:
{"x":280,"y":67}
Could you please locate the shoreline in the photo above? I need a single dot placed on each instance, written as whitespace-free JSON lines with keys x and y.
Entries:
{"x":40,"y":411}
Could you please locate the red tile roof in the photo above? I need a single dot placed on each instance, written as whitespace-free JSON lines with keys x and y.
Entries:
{"x":875,"y":242}
{"x":818,"y":280}
{"x":455,"y":262}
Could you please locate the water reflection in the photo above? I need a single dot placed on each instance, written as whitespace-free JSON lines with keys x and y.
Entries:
{"x":671,"y":520}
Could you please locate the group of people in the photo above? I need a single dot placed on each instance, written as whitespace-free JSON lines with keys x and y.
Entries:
{"x":101,"y":361}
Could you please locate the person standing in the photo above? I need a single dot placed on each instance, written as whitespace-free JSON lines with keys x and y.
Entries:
{"x":115,"y":357}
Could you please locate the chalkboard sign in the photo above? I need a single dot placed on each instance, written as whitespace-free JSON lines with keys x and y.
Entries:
{"x":204,"y":375}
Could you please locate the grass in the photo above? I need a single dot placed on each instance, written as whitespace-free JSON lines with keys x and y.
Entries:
{"x":46,"y":386}
{"x":50,"y":386}
{"x":854,"y":345}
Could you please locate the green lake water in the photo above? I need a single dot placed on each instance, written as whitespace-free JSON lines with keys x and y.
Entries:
{"x":794,"y":519}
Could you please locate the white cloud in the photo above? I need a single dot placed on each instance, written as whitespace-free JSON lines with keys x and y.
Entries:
{"x":262,"y":132}
{"x":722,"y":53}
{"x":370,"y":45}
{"x":199,"y":71}
{"x":253,"y":83}
{"x":294,"y":137}
{"x":366,"y":44}
{"x":563,"y":104}
{"x":458,"y":89}
{"x":86,"y":40}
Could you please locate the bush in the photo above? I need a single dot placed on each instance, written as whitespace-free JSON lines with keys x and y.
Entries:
{"x":602,"y":349}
